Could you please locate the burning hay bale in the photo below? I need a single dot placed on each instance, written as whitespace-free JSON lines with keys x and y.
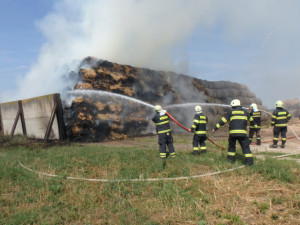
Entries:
{"x":94,"y":116}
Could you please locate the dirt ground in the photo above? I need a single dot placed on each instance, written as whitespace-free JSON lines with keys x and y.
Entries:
{"x":292,"y":144}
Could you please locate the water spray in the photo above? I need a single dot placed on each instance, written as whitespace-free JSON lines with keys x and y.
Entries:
{"x":196,"y":103}
{"x":85,"y":92}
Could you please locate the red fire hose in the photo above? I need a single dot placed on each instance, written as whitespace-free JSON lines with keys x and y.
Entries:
{"x":271,"y":140}
{"x":189,"y":130}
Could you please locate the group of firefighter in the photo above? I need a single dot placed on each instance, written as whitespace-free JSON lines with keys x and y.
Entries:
{"x":237,"y":117}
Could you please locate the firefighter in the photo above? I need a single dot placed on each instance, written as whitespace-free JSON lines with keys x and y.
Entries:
{"x":163,"y":129}
{"x":280,"y":118}
{"x":256,"y":115}
{"x":199,"y":129}
{"x":237,"y":118}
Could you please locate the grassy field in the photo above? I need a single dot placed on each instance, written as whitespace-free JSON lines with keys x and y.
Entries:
{"x":266,"y":193}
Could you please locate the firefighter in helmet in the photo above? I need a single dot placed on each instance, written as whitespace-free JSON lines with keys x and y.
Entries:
{"x":237,"y":118}
{"x":280,"y":118}
{"x":199,"y":129}
{"x":256,"y":115}
{"x":163,"y":129}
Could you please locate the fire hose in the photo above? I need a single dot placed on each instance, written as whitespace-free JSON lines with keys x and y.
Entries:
{"x":189,"y":130}
{"x":272,"y":140}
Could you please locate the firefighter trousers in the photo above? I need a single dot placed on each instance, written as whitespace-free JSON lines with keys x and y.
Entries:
{"x":276,"y":132}
{"x":166,"y":140}
{"x":244,"y":142}
{"x":255,"y":131}
{"x":199,"y":140}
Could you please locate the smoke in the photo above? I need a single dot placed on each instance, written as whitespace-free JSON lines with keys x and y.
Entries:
{"x":260,"y":39}
{"x":140,"y":33}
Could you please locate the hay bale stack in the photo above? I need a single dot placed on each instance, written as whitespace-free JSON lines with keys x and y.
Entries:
{"x":96,"y":118}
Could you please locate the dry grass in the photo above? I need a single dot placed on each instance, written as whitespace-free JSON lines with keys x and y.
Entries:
{"x":246,"y":196}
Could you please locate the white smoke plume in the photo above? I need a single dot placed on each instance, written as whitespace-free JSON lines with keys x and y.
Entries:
{"x":155,"y":34}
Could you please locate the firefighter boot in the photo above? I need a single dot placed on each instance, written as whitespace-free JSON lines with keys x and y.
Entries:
{"x":202,"y":151}
{"x":283,"y":144}
{"x":258,"y":142}
{"x":273,"y":146}
{"x":231,"y":159}
{"x":164,"y":163}
{"x":249,"y":161}
{"x":168,"y":154}
{"x":195,"y":152}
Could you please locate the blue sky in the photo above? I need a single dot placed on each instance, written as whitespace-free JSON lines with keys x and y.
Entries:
{"x":20,"y":39}
{"x":251,"y":42}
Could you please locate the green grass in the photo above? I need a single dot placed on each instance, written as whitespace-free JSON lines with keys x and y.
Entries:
{"x":283,"y":170}
{"x":295,"y":156}
{"x":271,"y":154}
{"x":29,"y":198}
{"x":113,"y":162}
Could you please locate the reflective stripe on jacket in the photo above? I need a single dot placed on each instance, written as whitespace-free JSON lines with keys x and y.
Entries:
{"x":280,"y":117}
{"x":257,"y":119}
{"x":162,"y":122}
{"x":199,"y":124}
{"x":238,"y":119}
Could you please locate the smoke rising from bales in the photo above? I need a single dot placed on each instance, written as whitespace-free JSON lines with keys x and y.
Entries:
{"x":145,"y":33}
{"x":140,"y":33}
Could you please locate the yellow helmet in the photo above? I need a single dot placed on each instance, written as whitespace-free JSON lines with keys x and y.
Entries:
{"x":235,"y":102}
{"x":157,"y":108}
{"x":198,"y":108}
{"x":279,"y":103}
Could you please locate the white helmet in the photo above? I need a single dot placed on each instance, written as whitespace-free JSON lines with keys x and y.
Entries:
{"x":279,"y":103}
{"x":157,"y":108}
{"x":235,"y":102}
{"x":198,"y":108}
{"x":254,"y":107}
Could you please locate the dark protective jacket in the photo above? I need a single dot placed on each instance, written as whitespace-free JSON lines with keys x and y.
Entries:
{"x":161,"y":120}
{"x":280,"y":117}
{"x":256,"y":119}
{"x":238,"y":119}
{"x":199,"y":124}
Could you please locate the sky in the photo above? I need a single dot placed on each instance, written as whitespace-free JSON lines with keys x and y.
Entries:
{"x":250,"y":42}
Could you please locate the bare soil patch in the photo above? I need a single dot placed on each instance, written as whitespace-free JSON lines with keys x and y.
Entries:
{"x":292,"y":144}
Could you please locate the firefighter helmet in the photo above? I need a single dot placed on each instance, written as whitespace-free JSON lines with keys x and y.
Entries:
{"x":198,"y":108}
{"x":235,"y":102}
{"x":253,"y":106}
{"x":157,"y":108}
{"x":279,"y":103}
